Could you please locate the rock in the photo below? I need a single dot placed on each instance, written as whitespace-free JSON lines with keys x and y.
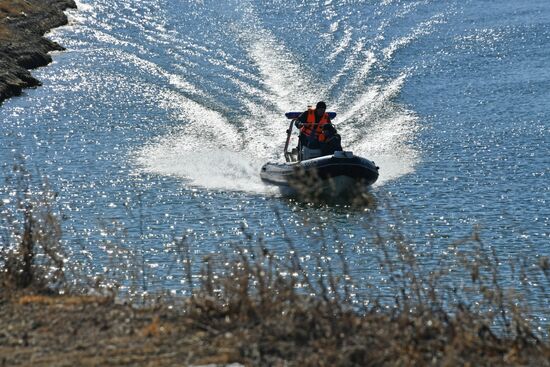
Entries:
{"x":22,"y":45}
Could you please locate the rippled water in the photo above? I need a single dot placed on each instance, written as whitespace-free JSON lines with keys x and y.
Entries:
{"x":155,"y":121}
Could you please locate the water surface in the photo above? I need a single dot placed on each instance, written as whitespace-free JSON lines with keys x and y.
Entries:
{"x":154,"y":123}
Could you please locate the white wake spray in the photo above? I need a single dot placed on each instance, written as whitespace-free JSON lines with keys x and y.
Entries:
{"x":215,"y":150}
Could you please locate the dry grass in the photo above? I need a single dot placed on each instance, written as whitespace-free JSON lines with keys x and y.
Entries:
{"x":259,"y":309}
{"x":5,"y":32}
{"x":31,"y":243}
{"x":61,"y":300}
{"x":14,"y":8}
{"x":11,"y":10}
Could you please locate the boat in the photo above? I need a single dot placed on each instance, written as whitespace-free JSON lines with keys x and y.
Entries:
{"x":308,"y":174}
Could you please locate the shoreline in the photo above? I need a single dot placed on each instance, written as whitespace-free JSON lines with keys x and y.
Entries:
{"x":22,"y":42}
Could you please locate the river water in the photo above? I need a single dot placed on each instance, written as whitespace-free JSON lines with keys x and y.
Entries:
{"x":153,"y":125}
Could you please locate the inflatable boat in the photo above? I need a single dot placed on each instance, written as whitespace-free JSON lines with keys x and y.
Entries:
{"x":307,"y":173}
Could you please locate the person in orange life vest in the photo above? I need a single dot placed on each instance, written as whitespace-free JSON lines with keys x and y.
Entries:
{"x":332,"y":141}
{"x":311,"y":124}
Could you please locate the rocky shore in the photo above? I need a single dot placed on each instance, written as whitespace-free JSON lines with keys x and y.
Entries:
{"x":22,"y":45}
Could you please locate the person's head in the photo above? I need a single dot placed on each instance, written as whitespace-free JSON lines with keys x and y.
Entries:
{"x":320,"y":108}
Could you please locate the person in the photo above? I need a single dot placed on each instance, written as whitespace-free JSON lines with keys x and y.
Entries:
{"x":311,"y":124}
{"x":333,"y":141}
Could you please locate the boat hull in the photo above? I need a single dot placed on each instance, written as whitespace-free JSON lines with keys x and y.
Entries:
{"x":339,"y":175}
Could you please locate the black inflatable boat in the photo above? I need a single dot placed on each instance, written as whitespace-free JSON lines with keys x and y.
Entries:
{"x":307,"y":173}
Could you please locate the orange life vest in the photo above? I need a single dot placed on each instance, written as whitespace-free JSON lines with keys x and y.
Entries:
{"x":308,"y":127}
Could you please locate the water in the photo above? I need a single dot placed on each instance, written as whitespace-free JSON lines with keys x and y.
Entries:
{"x":154,"y":123}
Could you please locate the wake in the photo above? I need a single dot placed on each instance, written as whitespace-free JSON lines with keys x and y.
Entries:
{"x":223,"y":147}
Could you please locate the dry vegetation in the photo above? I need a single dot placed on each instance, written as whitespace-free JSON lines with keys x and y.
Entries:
{"x":12,"y":9}
{"x":258,"y":309}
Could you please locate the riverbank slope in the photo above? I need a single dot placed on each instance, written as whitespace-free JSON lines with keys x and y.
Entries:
{"x":22,"y":45}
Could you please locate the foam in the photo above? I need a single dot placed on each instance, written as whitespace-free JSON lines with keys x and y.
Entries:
{"x":213,"y":151}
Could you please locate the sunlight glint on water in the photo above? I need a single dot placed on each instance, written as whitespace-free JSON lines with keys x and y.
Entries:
{"x":154,"y":123}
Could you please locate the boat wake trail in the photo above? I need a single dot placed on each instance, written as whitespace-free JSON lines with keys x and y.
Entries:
{"x":233,"y":121}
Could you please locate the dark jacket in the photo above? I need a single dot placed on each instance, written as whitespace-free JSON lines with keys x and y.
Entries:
{"x":333,"y":142}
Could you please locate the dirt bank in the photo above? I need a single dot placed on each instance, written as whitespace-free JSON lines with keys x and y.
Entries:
{"x":22,"y":45}
{"x":47,"y":330}
{"x":70,"y":330}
